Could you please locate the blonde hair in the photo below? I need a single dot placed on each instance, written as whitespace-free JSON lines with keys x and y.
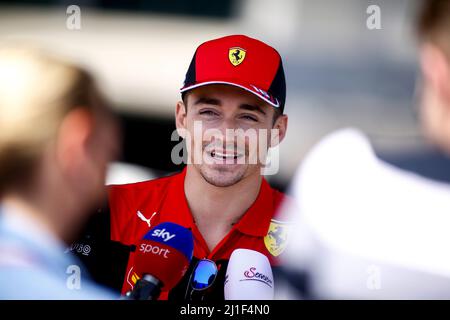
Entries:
{"x":36,"y":92}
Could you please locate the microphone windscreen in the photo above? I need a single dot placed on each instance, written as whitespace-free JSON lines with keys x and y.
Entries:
{"x":165,"y":252}
{"x":249,"y":276}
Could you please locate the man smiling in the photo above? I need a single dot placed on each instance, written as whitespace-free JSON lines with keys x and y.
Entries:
{"x":221,"y":188}
{"x":230,"y":114}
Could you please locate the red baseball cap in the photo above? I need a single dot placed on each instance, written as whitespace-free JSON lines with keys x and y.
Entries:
{"x":239,"y":61}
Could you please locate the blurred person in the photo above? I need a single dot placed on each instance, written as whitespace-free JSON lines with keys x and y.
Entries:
{"x":365,"y":228}
{"x":234,"y":82}
{"x":56,"y":138}
{"x":434,"y":34}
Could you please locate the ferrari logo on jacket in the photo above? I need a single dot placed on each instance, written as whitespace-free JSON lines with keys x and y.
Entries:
{"x":236,"y":55}
{"x":277,"y":237}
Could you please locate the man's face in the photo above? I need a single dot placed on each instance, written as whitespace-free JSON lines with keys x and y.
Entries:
{"x":104,"y":148}
{"x":435,"y":99}
{"x":235,"y":132}
{"x":100,"y":149}
{"x":85,"y":143}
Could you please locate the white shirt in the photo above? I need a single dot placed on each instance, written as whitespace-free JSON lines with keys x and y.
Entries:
{"x":366,"y":229}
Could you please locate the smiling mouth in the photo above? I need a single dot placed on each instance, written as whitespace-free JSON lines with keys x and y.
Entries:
{"x":224,"y":156}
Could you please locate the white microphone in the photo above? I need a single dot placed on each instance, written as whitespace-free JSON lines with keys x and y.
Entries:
{"x":249,"y":276}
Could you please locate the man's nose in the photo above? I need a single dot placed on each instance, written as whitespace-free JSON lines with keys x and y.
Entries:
{"x":229,"y":123}
{"x":228,"y":129}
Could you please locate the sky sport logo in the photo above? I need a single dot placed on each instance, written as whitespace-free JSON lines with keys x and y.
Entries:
{"x":232,"y":147}
{"x":148,"y":248}
{"x":162,"y":233}
{"x":253,"y":275}
{"x":153,"y":249}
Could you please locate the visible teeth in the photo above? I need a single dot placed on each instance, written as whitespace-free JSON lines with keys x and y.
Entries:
{"x":224,"y":155}
{"x":215,"y":154}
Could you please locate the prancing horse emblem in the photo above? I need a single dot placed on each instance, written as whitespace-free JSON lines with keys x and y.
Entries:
{"x":277,"y":237}
{"x":236,"y":55}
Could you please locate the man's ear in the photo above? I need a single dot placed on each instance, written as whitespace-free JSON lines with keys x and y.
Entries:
{"x":72,"y":140}
{"x":180,"y":118}
{"x":280,"y":125}
{"x":436,"y":70}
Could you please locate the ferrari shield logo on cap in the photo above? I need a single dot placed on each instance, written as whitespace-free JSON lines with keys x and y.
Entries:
{"x":236,"y":55}
{"x":277,"y":237}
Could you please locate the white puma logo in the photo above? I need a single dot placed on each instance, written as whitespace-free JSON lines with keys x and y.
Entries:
{"x":143,"y":218}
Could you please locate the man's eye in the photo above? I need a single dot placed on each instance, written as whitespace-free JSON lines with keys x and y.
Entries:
{"x":251,"y":118}
{"x":208,"y":113}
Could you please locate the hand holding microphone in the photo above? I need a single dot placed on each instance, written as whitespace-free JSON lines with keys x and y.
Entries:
{"x":162,"y":258}
{"x":249,"y":276}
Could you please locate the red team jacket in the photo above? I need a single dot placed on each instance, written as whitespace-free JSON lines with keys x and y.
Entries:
{"x":136,"y":207}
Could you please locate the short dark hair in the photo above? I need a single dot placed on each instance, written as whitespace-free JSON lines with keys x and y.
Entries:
{"x":433,"y":23}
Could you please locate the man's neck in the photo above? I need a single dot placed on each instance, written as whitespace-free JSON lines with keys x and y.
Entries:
{"x":216,"y":209}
